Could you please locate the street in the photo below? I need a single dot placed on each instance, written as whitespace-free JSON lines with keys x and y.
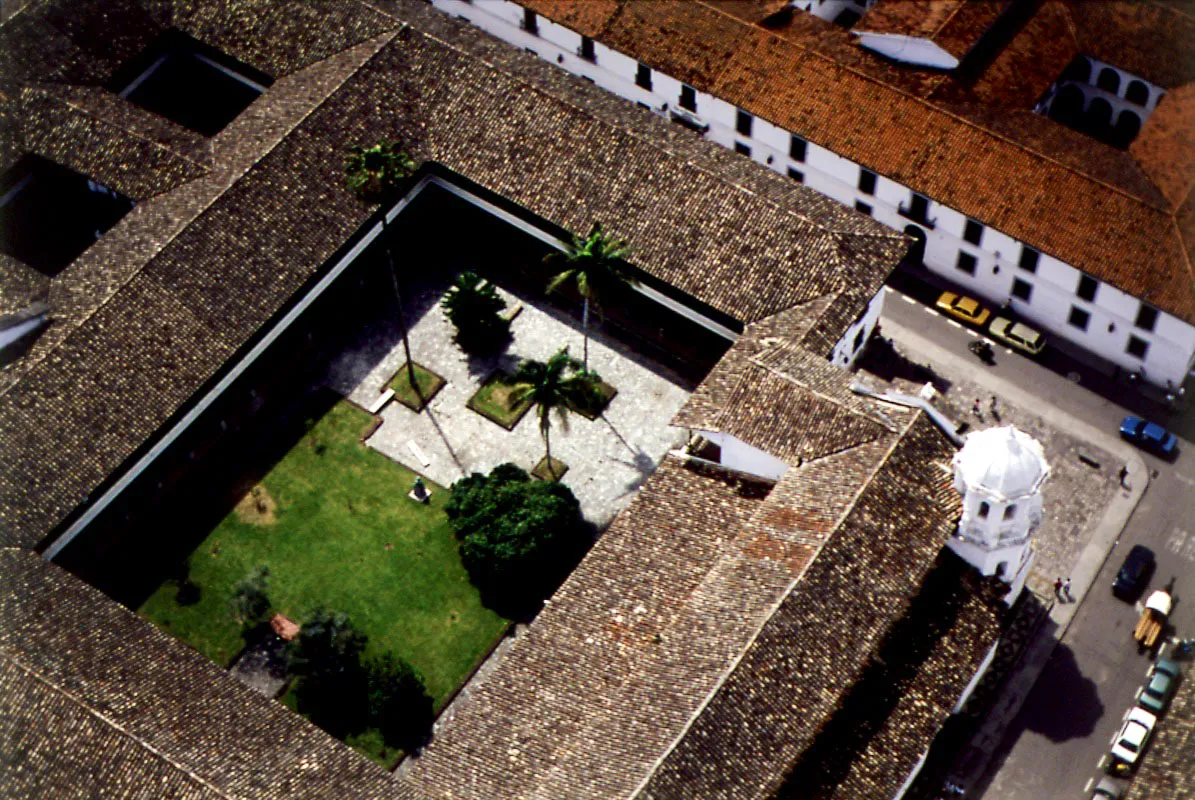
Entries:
{"x":1053,"y":746}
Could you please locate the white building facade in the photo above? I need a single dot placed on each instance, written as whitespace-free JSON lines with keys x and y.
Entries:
{"x":1047,"y":292}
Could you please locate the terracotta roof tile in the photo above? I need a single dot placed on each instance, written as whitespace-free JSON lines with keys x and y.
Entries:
{"x":954,"y":25}
{"x":1165,"y":148}
{"x":588,"y":19}
{"x":108,"y":701}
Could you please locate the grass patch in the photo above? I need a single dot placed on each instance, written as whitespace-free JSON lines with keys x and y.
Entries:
{"x":344,"y":536}
{"x":605,"y":393}
{"x":492,"y":401}
{"x":416,"y":398}
{"x":554,"y":473}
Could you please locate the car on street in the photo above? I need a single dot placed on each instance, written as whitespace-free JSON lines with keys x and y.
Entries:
{"x":1131,"y":738}
{"x":1148,"y":436}
{"x":1018,"y":335}
{"x":1107,"y":789}
{"x":1159,"y":686}
{"x":965,"y":308}
{"x":1134,"y":573}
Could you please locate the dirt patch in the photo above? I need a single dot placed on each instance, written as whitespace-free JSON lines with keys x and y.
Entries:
{"x":257,"y":507}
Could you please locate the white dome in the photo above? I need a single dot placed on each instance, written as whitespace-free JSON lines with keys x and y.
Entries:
{"x":1004,"y":462}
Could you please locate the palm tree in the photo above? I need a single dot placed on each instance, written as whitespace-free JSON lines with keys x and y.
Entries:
{"x":375,"y":175}
{"x":476,"y":309}
{"x":558,"y":385}
{"x":595,"y":265}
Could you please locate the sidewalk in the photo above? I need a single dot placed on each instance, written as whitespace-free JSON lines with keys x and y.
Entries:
{"x":1091,"y":559}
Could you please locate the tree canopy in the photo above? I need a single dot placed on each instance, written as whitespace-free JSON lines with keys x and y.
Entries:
{"x":374,"y":173}
{"x":555,"y":386}
{"x":250,"y":602}
{"x":519,"y":537}
{"x":476,"y":310}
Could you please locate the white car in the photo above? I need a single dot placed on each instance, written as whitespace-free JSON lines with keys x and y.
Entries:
{"x":1128,"y":744}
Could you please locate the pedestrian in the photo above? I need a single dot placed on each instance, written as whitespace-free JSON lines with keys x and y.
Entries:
{"x":1066,"y":589}
{"x":1124,"y":473}
{"x":992,"y":404}
{"x":976,"y":410}
{"x":1058,"y":587}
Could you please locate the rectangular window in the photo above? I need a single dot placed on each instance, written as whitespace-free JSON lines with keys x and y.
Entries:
{"x":587,"y":49}
{"x":643,"y":77}
{"x":688,"y":98}
{"x":1087,"y":287}
{"x":739,"y":147}
{"x":742,"y":123}
{"x":1029,"y":258}
{"x":1022,"y":290}
{"x":1079,"y":318}
{"x":984,"y":509}
{"x":973,"y":232}
{"x":867,"y":181}
{"x":966,"y":262}
{"x":1147,"y":317}
{"x":1137,"y":347}
{"x":530,"y":22}
{"x":862,"y":207}
{"x":796,"y":175}
{"x":796,"y":148}
{"x":919,"y":207}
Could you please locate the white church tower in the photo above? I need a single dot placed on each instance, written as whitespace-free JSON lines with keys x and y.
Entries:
{"x":999,"y":472}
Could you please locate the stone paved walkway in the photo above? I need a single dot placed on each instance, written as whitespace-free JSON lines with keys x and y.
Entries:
{"x":608,"y":458}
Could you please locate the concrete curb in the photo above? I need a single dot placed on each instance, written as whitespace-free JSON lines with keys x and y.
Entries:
{"x":1091,"y":560}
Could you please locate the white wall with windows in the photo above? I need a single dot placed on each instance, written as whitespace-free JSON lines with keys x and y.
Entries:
{"x":1156,"y":346}
{"x":738,"y":455}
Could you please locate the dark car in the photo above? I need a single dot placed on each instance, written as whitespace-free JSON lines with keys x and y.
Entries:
{"x":1149,"y":435}
{"x":1134,"y":572}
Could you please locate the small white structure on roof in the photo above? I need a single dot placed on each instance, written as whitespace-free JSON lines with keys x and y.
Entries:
{"x":999,"y":472}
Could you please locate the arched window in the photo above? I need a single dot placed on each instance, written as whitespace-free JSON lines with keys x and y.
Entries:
{"x":1079,"y":70}
{"x":1127,"y":128}
{"x":1001,"y":569}
{"x":984,"y":508}
{"x":1068,"y":105}
{"x":1010,"y":511}
{"x":1099,"y":115}
{"x":1137,"y":93}
{"x":1109,"y":80}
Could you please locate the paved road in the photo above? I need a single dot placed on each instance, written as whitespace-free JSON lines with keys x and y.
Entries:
{"x":1052,"y":748}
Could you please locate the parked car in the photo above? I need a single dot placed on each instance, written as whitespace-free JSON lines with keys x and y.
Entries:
{"x":1148,"y":435}
{"x":1018,"y":335}
{"x":1134,"y":573}
{"x":1107,"y":789}
{"x":1133,"y":735}
{"x":965,"y":308}
{"x":1159,"y":686}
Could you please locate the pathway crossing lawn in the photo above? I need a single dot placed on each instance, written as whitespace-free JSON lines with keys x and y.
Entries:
{"x":344,"y":535}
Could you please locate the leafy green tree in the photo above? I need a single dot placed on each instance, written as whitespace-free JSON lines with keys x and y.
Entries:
{"x":555,"y":386}
{"x":519,"y":537}
{"x":595,"y":265}
{"x":476,"y":310}
{"x":331,"y":685}
{"x":376,"y":175}
{"x":251,"y":605}
{"x":399,"y":705}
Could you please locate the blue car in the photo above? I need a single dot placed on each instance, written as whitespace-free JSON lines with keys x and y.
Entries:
{"x":1149,"y":435}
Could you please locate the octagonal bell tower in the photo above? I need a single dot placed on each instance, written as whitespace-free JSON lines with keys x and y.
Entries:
{"x":999,"y":472}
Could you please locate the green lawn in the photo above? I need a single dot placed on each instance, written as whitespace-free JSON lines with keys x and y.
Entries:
{"x":345,"y":536}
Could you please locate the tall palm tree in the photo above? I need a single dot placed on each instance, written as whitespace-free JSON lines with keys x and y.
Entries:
{"x":555,"y":386}
{"x":595,"y":265}
{"x":375,"y":175}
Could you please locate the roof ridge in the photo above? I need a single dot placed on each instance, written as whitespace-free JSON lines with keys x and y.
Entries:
{"x":5,"y":389}
{"x":80,"y":703}
{"x":658,"y":145}
{"x":932,"y":106}
{"x":898,"y":437}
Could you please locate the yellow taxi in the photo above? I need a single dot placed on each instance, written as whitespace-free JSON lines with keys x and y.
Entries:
{"x":965,"y":308}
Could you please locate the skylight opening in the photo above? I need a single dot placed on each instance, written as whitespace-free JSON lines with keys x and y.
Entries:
{"x":190,"y":83}
{"x":1100,"y":100}
{"x":50,"y":214}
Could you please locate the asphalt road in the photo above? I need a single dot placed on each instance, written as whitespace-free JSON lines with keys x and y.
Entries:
{"x":1054,"y":746}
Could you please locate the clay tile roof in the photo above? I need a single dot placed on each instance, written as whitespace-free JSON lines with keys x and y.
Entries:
{"x":588,"y":19}
{"x":1165,"y":772}
{"x":97,"y":701}
{"x":1148,"y":39}
{"x":1165,"y":148}
{"x":954,"y":25}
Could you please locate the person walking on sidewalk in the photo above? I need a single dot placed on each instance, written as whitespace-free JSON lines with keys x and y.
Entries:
{"x":1058,"y":587}
{"x":976,"y":410}
{"x":1066,"y":589}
